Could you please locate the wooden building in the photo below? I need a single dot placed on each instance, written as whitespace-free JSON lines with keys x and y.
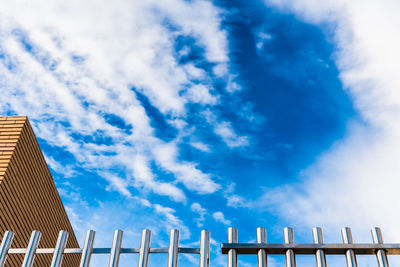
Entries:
{"x":28,"y":196}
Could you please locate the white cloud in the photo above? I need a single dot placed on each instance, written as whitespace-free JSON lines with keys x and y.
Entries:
{"x":200,"y":146}
{"x":355,"y":182}
{"x":186,"y":172}
{"x":262,"y":39}
{"x":219,"y":217}
{"x":200,"y":94}
{"x":119,"y":184}
{"x":194,"y":72}
{"x":66,"y":171}
{"x":196,"y":207}
{"x":172,"y":221}
{"x":225,"y":130}
{"x":235,"y":201}
{"x":145,"y":177}
{"x":233,"y":85}
{"x":191,"y":16}
{"x":79,"y":68}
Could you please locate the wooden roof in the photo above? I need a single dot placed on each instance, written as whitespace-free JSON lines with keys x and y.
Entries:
{"x":29,"y":199}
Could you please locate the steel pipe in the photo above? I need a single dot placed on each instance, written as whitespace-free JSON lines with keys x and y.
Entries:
{"x":87,"y":248}
{"x":5,"y":246}
{"x":144,"y":248}
{"x":380,"y":253}
{"x":289,"y":239}
{"x":320,"y":254}
{"x":205,"y":248}
{"x":261,"y":254}
{"x":59,"y":250}
{"x":30,"y":251}
{"x":116,"y":248}
{"x":173,"y":248}
{"x":232,"y":254}
{"x":350,"y":255}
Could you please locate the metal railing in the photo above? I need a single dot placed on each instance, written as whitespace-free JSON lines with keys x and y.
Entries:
{"x":262,"y":249}
{"x":116,"y":249}
{"x":318,"y":248}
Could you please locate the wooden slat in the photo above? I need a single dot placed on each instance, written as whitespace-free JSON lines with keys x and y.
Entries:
{"x":11,"y":125}
{"x":16,"y":118}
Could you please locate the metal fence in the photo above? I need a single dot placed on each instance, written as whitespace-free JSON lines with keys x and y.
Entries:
{"x":318,"y":248}
{"x":262,"y":249}
{"x":116,"y":249}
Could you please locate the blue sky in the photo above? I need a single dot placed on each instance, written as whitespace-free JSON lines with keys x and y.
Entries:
{"x":209,"y":114}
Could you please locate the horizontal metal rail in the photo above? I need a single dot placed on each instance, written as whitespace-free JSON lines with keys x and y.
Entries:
{"x":116,"y":249}
{"x":310,"y":249}
{"x":318,"y":248}
{"x":103,"y":250}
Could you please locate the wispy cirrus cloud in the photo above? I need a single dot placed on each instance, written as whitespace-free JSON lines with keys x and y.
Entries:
{"x":197,"y":208}
{"x":220,"y":217}
{"x":97,"y":91}
{"x":225,"y":131}
{"x":72,"y":75}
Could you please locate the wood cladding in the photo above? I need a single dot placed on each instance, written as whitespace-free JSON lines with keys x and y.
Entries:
{"x":28,"y":196}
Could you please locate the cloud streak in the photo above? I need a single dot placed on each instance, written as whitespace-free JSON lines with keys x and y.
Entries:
{"x":70,"y":74}
{"x":220,"y":217}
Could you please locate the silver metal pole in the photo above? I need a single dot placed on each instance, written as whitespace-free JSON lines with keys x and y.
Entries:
{"x":173,"y":248}
{"x":115,"y":248}
{"x":289,"y":239}
{"x":320,"y":254}
{"x":5,"y":245}
{"x":30,"y":251}
{"x":232,"y":255}
{"x":205,"y":249}
{"x":144,"y":248}
{"x":350,"y":255}
{"x":262,"y":254}
{"x":87,"y":248}
{"x":59,"y":250}
{"x":380,"y":254}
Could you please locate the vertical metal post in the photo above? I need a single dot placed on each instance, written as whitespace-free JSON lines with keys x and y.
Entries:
{"x":320,"y":254}
{"x":115,"y":248}
{"x":289,"y":239}
{"x":59,"y":250}
{"x":261,"y":254}
{"x":87,"y":248}
{"x":205,"y":249}
{"x":173,"y":248}
{"x":350,"y":255}
{"x":380,"y":254}
{"x":144,"y":248}
{"x":30,"y":251}
{"x":5,"y":245}
{"x":232,"y":254}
